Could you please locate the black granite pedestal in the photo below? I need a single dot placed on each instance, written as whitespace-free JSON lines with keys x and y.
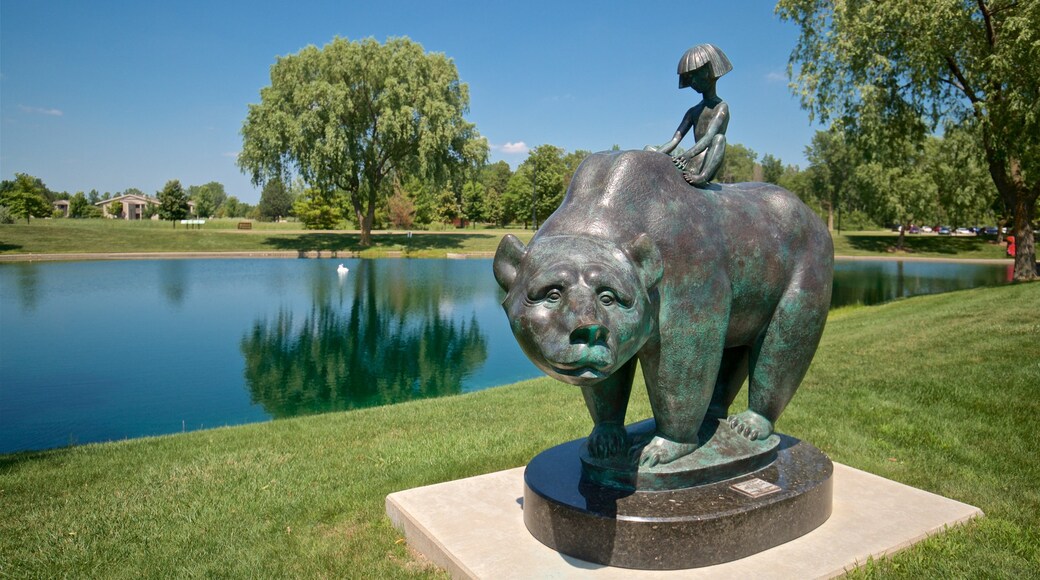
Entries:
{"x":697,"y":526}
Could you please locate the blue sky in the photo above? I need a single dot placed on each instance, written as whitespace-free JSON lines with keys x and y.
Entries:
{"x":112,"y":95}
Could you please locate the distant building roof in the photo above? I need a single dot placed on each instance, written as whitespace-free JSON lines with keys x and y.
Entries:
{"x":130,"y":197}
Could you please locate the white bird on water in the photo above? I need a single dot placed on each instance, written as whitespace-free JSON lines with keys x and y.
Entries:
{"x":342,"y":270}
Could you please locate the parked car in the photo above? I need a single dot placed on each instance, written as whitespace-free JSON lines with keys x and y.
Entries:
{"x":913,"y":230}
{"x":963,"y":231}
{"x":990,"y":230}
{"x":926,"y":229}
{"x":943,"y":230}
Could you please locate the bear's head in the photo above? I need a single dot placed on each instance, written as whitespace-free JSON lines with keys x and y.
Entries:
{"x":580,"y":307}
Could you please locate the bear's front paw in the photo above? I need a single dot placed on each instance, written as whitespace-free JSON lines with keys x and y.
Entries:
{"x":607,"y":440}
{"x":660,"y":450}
{"x":751,"y":425}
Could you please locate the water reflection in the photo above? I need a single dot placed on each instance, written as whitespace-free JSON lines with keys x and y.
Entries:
{"x":376,"y":336}
{"x":874,"y":282}
{"x":173,"y":279}
{"x":226,"y":342}
{"x":28,"y":281}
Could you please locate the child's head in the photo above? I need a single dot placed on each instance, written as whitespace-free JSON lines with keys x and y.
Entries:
{"x":702,"y":64}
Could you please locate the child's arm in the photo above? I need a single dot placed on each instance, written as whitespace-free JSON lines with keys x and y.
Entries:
{"x":684,"y":127}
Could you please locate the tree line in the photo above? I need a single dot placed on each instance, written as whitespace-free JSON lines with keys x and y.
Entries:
{"x":941,"y":181}
{"x":933,"y":121}
{"x":888,"y":75}
{"x":27,"y":196}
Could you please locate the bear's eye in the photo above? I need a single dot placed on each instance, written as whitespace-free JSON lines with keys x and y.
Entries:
{"x":607,"y":298}
{"x":553,"y":295}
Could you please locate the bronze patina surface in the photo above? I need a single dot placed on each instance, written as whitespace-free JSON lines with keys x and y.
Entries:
{"x":704,"y":286}
{"x":700,"y":68}
{"x":725,"y":454}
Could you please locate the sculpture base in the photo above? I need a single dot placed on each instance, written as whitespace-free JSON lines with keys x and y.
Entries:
{"x":724,"y":455}
{"x":685,"y":528}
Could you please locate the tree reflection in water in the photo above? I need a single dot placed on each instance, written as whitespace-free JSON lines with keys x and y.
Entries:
{"x":374,"y":337}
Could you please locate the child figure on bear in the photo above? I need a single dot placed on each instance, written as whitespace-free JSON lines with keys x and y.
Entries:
{"x":699,"y":68}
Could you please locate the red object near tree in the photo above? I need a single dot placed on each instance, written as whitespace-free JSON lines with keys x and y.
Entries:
{"x":1011,"y":246}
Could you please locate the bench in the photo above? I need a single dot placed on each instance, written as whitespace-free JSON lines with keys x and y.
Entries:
{"x":245,"y":225}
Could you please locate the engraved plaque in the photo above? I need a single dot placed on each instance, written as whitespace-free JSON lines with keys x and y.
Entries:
{"x":755,"y":487}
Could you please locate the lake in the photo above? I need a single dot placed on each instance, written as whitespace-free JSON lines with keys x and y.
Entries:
{"x":100,"y":351}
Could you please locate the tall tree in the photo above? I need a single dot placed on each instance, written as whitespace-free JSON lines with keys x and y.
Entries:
{"x":276,"y":201}
{"x":233,"y":208}
{"x":833,"y":161}
{"x":78,"y":205}
{"x":965,"y":190}
{"x":495,"y":178}
{"x":173,"y":202}
{"x":738,"y":165}
{"x":346,"y":116}
{"x":208,"y":198}
{"x":25,"y":197}
{"x":901,"y":194}
{"x":400,"y":208}
{"x":571,"y":161}
{"x":802,"y":184}
{"x":473,"y":201}
{"x":772,"y":169}
{"x":536,"y":189}
{"x":973,"y":62}
{"x":424,"y":199}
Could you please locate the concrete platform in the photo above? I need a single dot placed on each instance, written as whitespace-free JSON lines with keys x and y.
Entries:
{"x":474,"y":529}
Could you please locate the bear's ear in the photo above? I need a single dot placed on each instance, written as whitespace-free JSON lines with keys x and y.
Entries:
{"x":507,"y":260}
{"x":647,"y":260}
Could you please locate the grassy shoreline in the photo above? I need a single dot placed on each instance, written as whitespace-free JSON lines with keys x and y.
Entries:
{"x":938,"y":392}
{"x":115,"y":239}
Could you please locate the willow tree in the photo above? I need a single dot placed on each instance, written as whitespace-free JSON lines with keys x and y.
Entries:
{"x":886,"y":66}
{"x":349,"y":115}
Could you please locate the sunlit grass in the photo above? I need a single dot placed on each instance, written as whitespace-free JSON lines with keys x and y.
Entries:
{"x":939,"y":392}
{"x":882,"y":243}
{"x":97,"y":236}
{"x":56,"y":236}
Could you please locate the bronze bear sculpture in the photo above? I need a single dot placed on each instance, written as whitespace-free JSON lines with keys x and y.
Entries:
{"x":704,"y":287}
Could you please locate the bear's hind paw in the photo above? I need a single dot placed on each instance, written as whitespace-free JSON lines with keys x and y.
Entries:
{"x":751,"y":425}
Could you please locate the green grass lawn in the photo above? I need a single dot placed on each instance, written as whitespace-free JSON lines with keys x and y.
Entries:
{"x":939,"y":392}
{"x":56,"y":236}
{"x":878,"y":243}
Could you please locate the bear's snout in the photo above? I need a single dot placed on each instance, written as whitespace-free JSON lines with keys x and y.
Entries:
{"x":589,"y":334}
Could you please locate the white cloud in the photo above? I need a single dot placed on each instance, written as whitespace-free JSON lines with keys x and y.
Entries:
{"x":41,"y":111}
{"x":513,"y":148}
{"x":775,"y":77}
